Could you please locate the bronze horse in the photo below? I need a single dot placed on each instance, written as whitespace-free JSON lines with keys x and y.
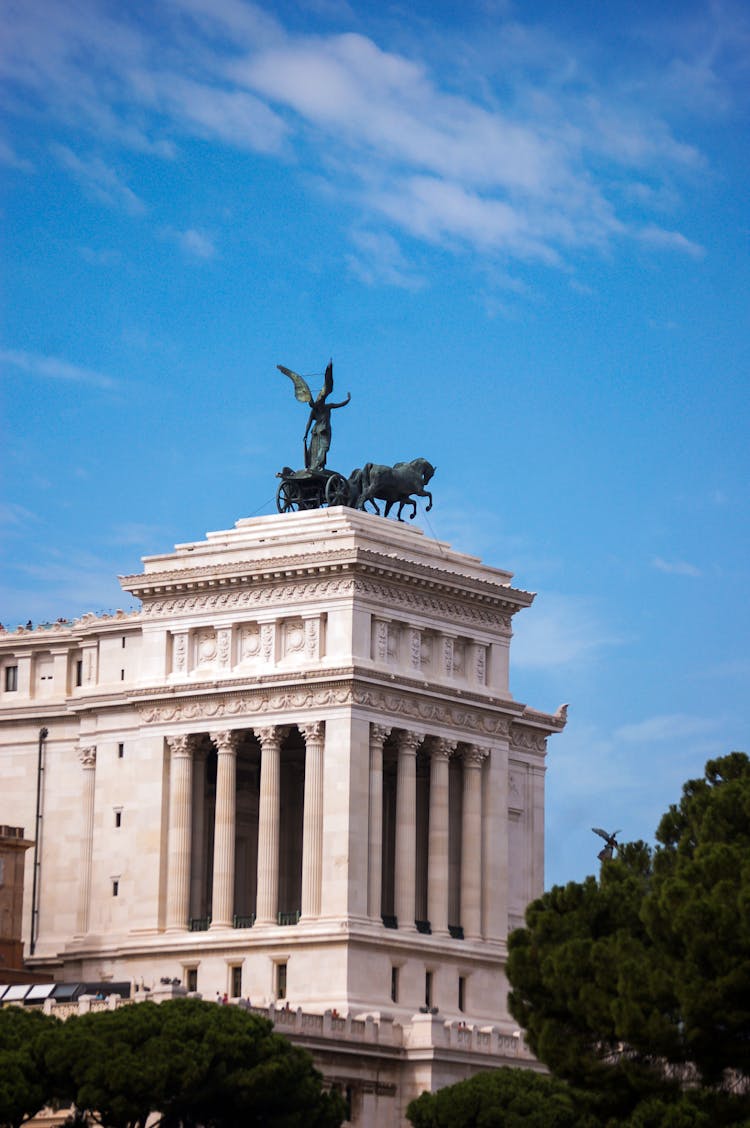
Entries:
{"x":392,"y":484}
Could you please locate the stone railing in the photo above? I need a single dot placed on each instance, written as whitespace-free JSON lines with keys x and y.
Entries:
{"x":423,"y":1030}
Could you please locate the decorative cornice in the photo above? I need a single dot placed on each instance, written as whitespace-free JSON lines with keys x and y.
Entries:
{"x":252,"y":583}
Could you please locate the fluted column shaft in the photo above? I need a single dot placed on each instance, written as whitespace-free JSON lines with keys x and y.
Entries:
{"x":312,"y":823}
{"x":268,"y":824}
{"x":406,"y":828}
{"x":178,"y":850}
{"x":225,"y":820}
{"x":471,"y":843}
{"x":378,"y":737}
{"x":198,"y":906}
{"x":87,"y":757}
{"x":437,"y":856}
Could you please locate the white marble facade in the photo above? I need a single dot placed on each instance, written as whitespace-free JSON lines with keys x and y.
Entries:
{"x":296,"y":772}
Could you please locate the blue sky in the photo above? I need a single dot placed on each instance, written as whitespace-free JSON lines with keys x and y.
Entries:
{"x":522,"y":235}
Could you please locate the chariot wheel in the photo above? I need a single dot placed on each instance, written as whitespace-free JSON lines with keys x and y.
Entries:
{"x":289,"y":497}
{"x":337,"y":490}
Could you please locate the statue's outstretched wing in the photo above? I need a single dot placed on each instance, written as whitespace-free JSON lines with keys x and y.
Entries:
{"x":602,"y":833}
{"x":327,"y":382}
{"x":301,"y":390}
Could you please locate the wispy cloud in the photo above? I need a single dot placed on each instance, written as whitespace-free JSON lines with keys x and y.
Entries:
{"x":16,"y":515}
{"x":54,"y":368}
{"x":197,"y":244}
{"x":9,"y":157}
{"x":422,"y":140}
{"x":561,"y":630}
{"x":676,"y":567}
{"x":379,"y":258}
{"x":670,"y":240}
{"x":668,"y":726}
{"x":101,"y":181}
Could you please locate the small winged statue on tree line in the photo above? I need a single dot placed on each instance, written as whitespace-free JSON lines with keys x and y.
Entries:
{"x":607,"y":853}
{"x":320,"y":415}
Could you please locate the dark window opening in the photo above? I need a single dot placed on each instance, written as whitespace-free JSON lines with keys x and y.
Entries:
{"x":116,"y":888}
{"x":281,"y":981}
{"x":394,"y":984}
{"x":11,"y":679}
{"x":79,"y":671}
{"x":462,"y":992}
{"x":428,"y":988}
{"x":192,"y":979}
{"x":118,"y":818}
{"x":120,"y":751}
{"x":122,"y":675}
{"x":236,"y":985}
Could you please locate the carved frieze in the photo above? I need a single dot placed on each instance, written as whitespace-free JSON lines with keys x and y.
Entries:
{"x":527,"y":739}
{"x":408,"y":706}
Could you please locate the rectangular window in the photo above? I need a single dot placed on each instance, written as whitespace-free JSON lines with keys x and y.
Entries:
{"x":118,"y":818}
{"x":79,"y":671}
{"x":120,"y":751}
{"x":236,"y":984}
{"x":428,"y":988}
{"x":462,"y":992}
{"x":191,"y":978}
{"x":394,"y":984}
{"x":280,"y":980}
{"x":123,"y":642}
{"x":122,"y":675}
{"x":115,"y":887}
{"x":11,"y":679}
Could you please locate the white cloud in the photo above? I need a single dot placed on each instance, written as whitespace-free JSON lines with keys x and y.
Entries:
{"x":676,"y":567}
{"x":196,"y":243}
{"x":666,"y":727}
{"x":99,"y":180}
{"x":560,"y":630}
{"x":511,"y":147}
{"x":670,"y":240}
{"x":55,"y":368}
{"x":379,"y":259}
{"x":9,"y":157}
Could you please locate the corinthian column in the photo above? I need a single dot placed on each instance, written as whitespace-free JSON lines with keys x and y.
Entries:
{"x":437,"y":856}
{"x":222,"y":903}
{"x":471,"y":843}
{"x":378,"y":736}
{"x":268,"y":823}
{"x":87,"y":756}
{"x":312,"y":826}
{"x":178,"y":850}
{"x":406,"y":828}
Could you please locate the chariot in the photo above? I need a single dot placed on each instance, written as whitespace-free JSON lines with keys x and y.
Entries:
{"x":311,"y":489}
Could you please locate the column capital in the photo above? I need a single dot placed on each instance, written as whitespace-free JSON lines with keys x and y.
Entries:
{"x":87,"y":755}
{"x":226,"y":740}
{"x":271,"y":736}
{"x":312,"y":730}
{"x":379,"y":734}
{"x":409,"y":741}
{"x":474,"y":755}
{"x":180,"y":746}
{"x":441,"y":748}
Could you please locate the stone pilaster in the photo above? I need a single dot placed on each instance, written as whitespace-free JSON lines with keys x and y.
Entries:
{"x":312,"y":826}
{"x":268,"y":824}
{"x":378,"y":736}
{"x":178,"y":850}
{"x":437,"y":857}
{"x":222,"y":904}
{"x":87,"y":756}
{"x":471,"y":843}
{"x":406,"y":828}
